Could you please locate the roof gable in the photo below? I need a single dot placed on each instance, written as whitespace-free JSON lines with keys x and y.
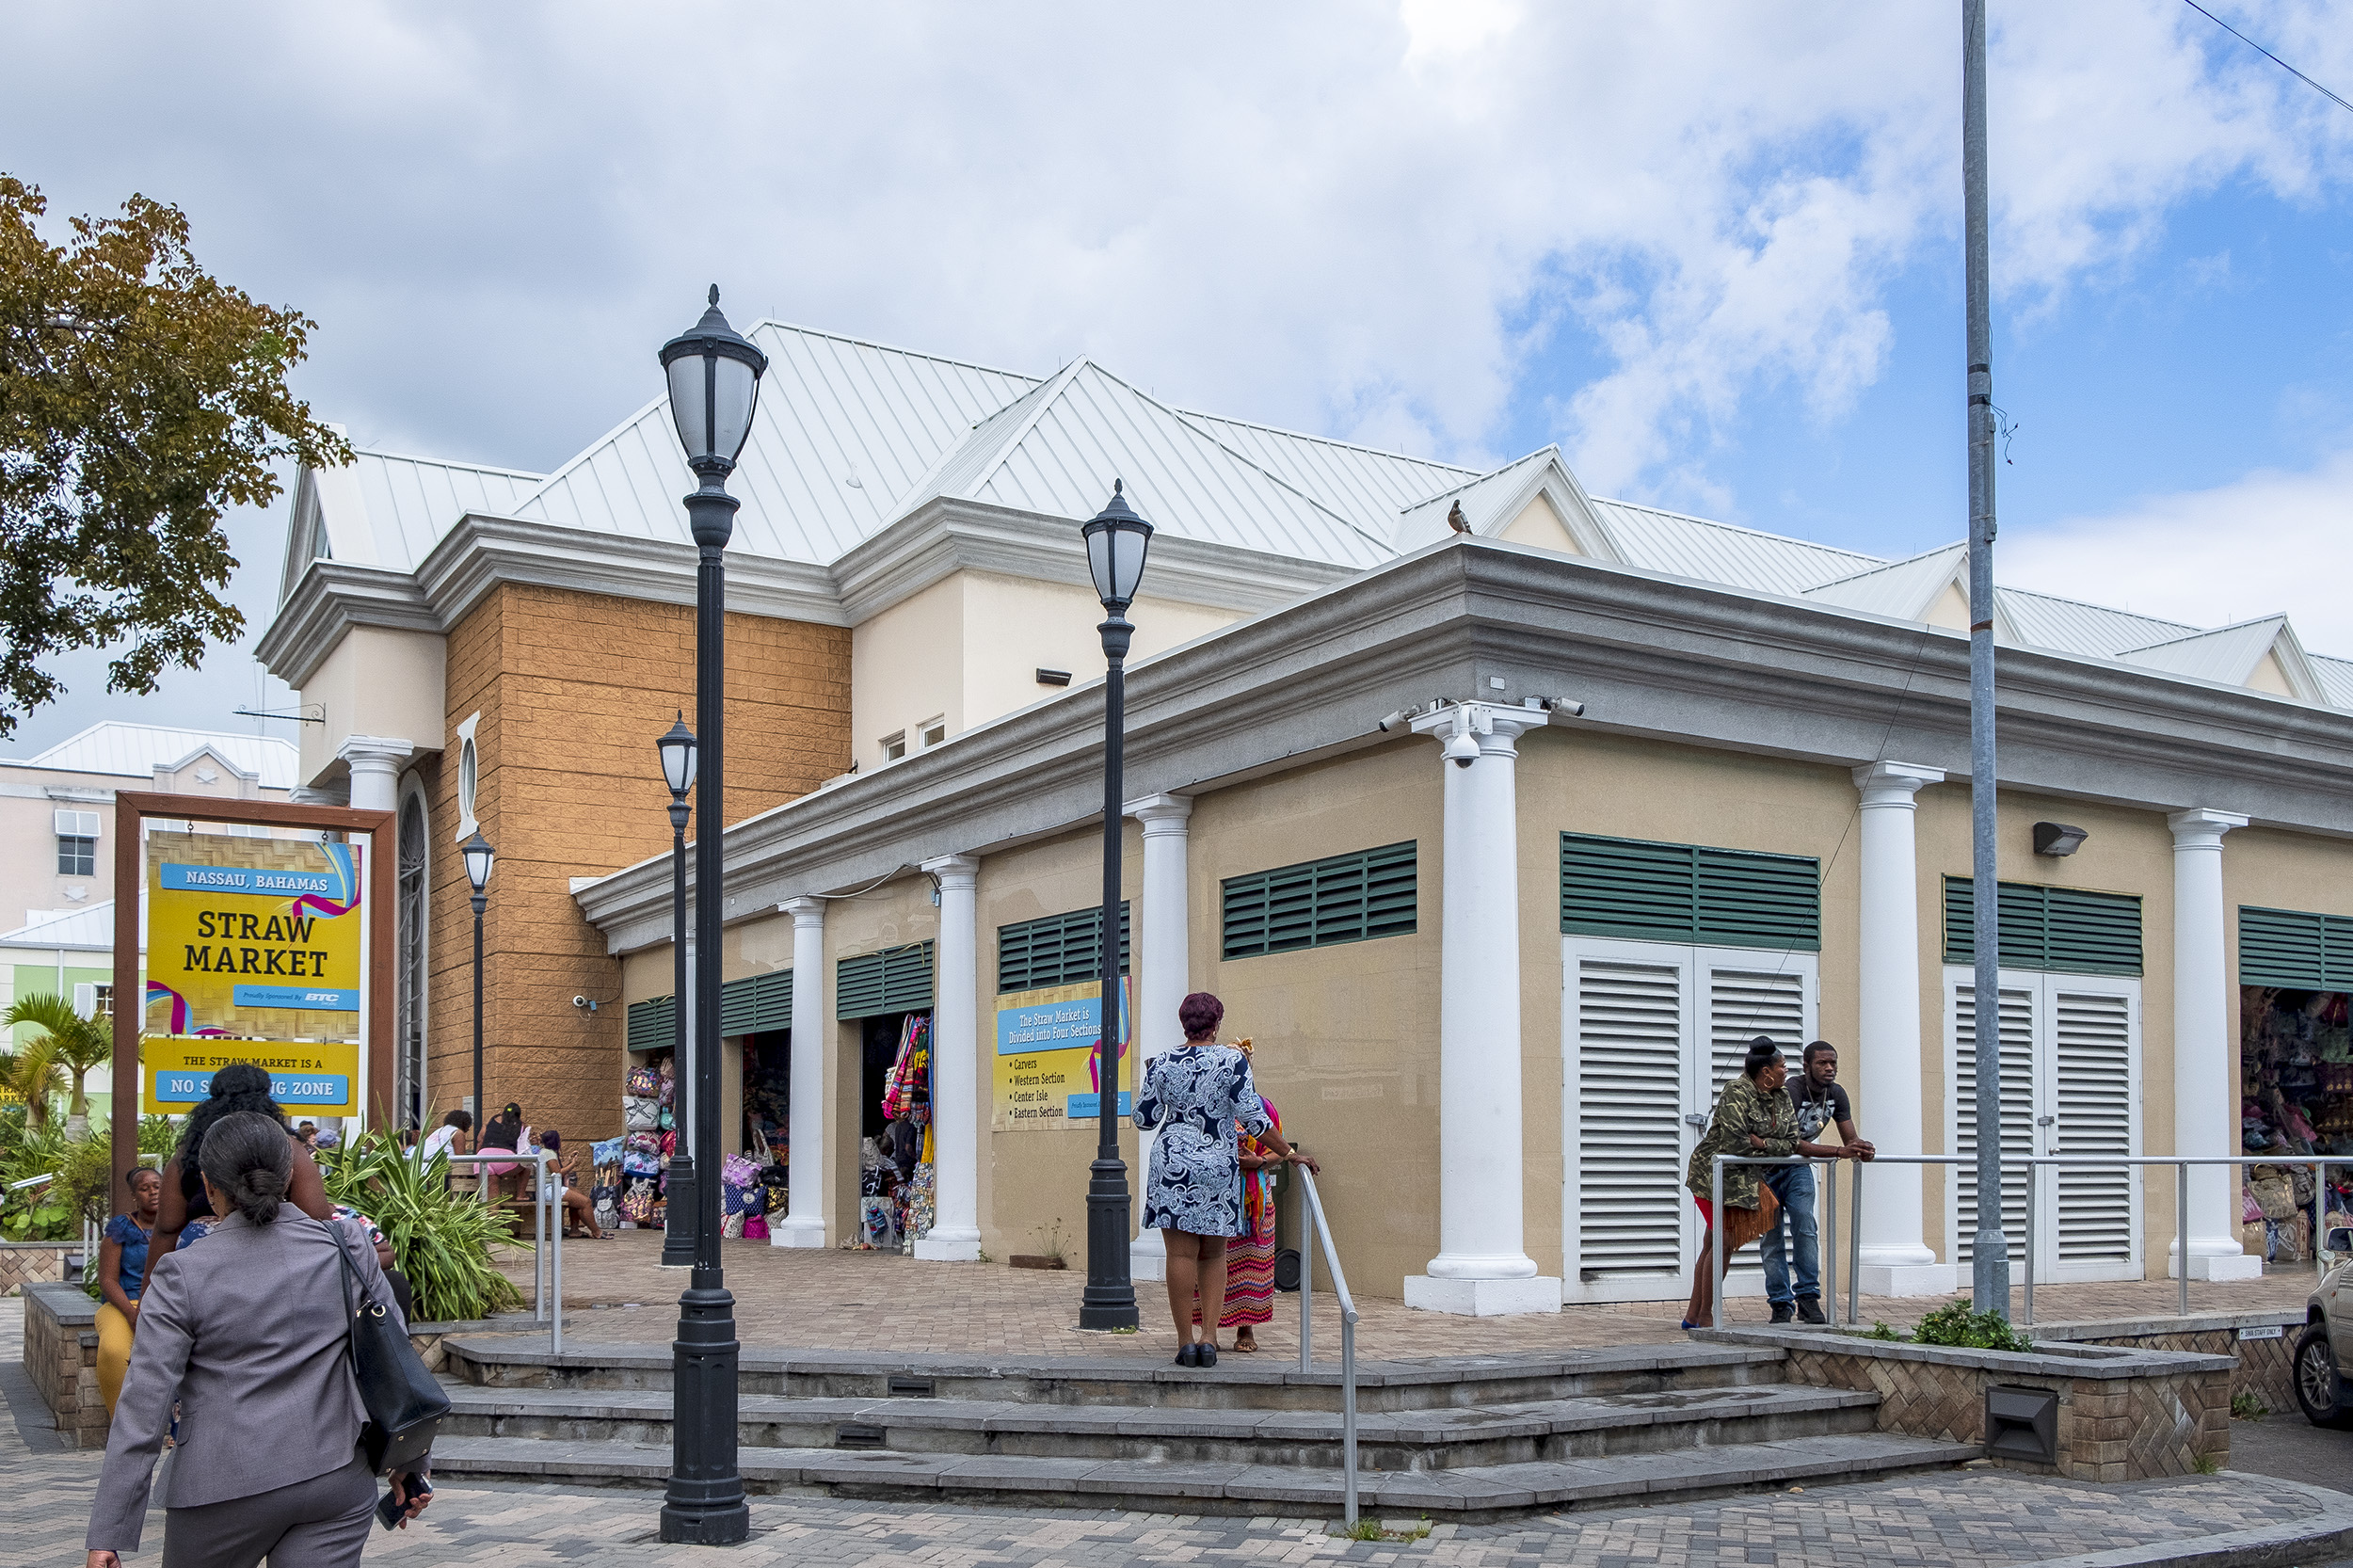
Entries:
{"x":1907,"y":589}
{"x":2239,"y":655}
{"x":1492,"y":501}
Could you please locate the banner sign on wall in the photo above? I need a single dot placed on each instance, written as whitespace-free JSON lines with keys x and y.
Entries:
{"x":253,"y":955}
{"x":1049,"y":1072}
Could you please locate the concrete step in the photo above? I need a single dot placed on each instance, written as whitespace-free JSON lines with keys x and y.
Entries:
{"x":1470,"y":1495}
{"x":1238,"y":1382}
{"x":1427,"y":1439}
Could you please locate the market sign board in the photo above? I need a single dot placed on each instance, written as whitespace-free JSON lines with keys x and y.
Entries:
{"x":254,"y":953}
{"x":1048,"y":1073}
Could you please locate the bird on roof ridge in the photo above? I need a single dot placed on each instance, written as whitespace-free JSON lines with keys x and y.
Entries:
{"x":1456,"y":521}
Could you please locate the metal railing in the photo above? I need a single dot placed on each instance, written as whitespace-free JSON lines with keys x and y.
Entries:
{"x":1318,"y":1233}
{"x":547,"y":1241}
{"x":1828,"y":1186}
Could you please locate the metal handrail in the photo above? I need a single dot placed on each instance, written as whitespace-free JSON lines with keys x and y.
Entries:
{"x":543,"y":1251}
{"x":1319,"y":1235}
{"x":2181,"y":1163}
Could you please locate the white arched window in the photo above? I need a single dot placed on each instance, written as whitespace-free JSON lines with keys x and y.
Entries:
{"x":411,"y":976}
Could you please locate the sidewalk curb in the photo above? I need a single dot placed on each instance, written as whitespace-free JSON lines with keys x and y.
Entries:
{"x":2326,"y":1535}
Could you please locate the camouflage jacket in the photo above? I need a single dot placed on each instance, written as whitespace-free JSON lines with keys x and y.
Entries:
{"x":1743,"y":1108}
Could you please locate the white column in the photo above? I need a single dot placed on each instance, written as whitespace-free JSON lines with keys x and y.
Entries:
{"x":376,"y":762}
{"x":1482,"y":1268}
{"x":2205,"y":1102}
{"x":1164,"y":954}
{"x":955,"y":1233}
{"x":804,"y":1221}
{"x":1895,"y":1259}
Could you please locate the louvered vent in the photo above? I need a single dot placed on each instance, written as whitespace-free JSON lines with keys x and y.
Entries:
{"x":1689,"y":894}
{"x":1059,"y":950}
{"x":1630,"y":1144}
{"x":2017,"y":1115}
{"x":896,"y":980}
{"x":1347,"y":898}
{"x":2064,"y":930}
{"x":2092,"y":1092}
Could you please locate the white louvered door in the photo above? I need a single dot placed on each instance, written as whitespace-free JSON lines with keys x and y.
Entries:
{"x":2093,"y":1095}
{"x":2071,"y":1085}
{"x":1650,"y":1033}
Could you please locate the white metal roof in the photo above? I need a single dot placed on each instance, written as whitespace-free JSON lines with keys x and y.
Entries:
{"x":852,"y":436}
{"x":137,"y":751}
{"x":94,"y":927}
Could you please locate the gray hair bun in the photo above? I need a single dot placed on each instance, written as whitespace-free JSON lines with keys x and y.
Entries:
{"x":249,"y":1157}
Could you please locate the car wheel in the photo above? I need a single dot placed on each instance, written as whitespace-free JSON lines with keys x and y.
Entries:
{"x":2319,"y":1392}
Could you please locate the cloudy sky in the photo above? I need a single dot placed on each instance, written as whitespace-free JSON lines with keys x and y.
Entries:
{"x":1709,"y":246}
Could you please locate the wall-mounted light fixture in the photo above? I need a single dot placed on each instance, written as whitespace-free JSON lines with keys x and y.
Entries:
{"x":2057,"y":838}
{"x":1053,"y":678}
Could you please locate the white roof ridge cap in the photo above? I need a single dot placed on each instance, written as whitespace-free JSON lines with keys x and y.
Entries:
{"x":1477,"y":479}
{"x":1383,"y":546}
{"x":1887,"y":566}
{"x":1324,"y":440}
{"x":1040,"y":395}
{"x":2279,"y":616}
{"x":445,"y":462}
{"x":1742,"y":528}
{"x":784,"y":326}
{"x":2105,"y":609}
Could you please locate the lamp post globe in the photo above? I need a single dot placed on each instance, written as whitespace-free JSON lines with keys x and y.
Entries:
{"x":478,"y":857}
{"x":713,"y":374}
{"x":1116,"y":542}
{"x":678,"y":751}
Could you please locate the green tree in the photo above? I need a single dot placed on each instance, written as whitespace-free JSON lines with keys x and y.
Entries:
{"x":30,"y":1073}
{"x":140,"y":397}
{"x":72,"y":1044}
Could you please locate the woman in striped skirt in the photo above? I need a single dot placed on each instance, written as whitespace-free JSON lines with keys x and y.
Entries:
{"x":1250,"y":1256}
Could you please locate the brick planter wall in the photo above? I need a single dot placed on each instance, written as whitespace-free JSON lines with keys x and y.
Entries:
{"x":61,"y":1353}
{"x":23,"y":1263}
{"x":2262,"y":1367}
{"x":2123,"y":1414}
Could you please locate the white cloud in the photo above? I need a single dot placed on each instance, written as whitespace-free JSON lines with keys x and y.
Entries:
{"x":1372,"y":220}
{"x":2268,"y":542}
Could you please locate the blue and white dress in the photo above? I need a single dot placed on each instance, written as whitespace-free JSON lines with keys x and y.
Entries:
{"x":1201,"y":1098}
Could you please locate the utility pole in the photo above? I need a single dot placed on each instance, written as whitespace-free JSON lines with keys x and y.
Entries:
{"x":1989,"y":1274}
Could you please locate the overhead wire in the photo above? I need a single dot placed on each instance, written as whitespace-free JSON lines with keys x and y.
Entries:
{"x":2334,"y":98}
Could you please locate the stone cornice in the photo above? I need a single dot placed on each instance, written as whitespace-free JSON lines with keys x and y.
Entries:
{"x":483,"y":551}
{"x":1648,"y":654}
{"x":330,"y":599}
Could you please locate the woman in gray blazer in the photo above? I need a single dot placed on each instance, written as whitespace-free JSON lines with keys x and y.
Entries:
{"x":250,"y":1330}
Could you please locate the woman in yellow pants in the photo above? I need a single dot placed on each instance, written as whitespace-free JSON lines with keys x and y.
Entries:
{"x":122,"y":1275}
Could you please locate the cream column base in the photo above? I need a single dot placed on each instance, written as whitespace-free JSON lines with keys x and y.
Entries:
{"x":1147,"y":1258}
{"x":1483,"y":1298}
{"x":942,"y":1248}
{"x":1909,"y":1279}
{"x":2219,"y":1268}
{"x":796,"y":1233}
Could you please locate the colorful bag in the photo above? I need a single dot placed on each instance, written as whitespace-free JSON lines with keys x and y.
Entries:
{"x":605,"y":1152}
{"x":643,"y":1083}
{"x":738,"y":1171}
{"x":755,"y":1228}
{"x":639,"y":1115}
{"x":637,"y":1162}
{"x":731,"y":1226}
{"x":637,"y":1201}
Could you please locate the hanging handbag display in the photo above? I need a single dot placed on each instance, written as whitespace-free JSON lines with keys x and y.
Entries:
{"x":404,"y":1405}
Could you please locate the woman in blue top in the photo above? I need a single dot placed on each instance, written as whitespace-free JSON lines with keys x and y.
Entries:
{"x":122,"y":1275}
{"x":1200,"y":1095}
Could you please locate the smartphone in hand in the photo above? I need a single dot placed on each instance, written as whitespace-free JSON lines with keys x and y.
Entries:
{"x":396,"y":1500}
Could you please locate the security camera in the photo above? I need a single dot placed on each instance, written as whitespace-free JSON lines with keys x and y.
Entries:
{"x":584,"y":1001}
{"x":1393,"y":723}
{"x":1462,"y":751}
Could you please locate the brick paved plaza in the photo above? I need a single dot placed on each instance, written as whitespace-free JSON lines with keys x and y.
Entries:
{"x":617,"y":1291}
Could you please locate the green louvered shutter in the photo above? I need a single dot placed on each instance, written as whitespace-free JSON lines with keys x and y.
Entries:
{"x":1059,"y":949}
{"x":1345,"y":898}
{"x":1689,"y":894}
{"x":651,"y":1025}
{"x":756,"y":1004}
{"x":2060,"y":930}
{"x":2294,"y":947}
{"x":896,"y":980}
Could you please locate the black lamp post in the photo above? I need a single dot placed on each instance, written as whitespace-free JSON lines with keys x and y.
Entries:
{"x":478,"y":855}
{"x":1116,"y":541}
{"x":677,"y":748}
{"x":714,"y":384}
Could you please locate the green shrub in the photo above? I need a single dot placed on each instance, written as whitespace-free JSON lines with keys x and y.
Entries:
{"x":1954,"y":1323}
{"x":439,"y":1240}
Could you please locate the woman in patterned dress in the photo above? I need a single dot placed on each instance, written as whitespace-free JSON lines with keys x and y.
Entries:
{"x":1202,"y":1099}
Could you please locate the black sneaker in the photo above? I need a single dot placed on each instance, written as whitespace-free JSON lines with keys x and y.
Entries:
{"x":1810,"y":1310}
{"x":1780,"y":1312}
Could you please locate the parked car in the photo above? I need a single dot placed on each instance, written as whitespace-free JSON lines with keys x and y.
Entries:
{"x":2326,"y":1346}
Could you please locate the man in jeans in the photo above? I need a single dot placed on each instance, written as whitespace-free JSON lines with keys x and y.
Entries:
{"x":1793,"y":1245}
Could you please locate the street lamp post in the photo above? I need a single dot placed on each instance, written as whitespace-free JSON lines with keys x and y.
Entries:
{"x":676,"y":749}
{"x":478,"y":855}
{"x":1116,"y":541}
{"x":714,"y":385}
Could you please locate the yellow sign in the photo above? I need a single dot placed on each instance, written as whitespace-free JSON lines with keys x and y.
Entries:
{"x":314,"y":1077}
{"x":1048,"y":1073}
{"x":252,"y":939}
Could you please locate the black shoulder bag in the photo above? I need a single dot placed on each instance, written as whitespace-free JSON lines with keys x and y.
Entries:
{"x":405,"y":1404}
